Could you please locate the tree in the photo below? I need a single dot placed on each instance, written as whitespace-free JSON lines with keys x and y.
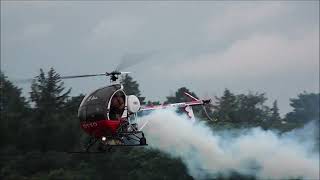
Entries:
{"x":13,"y":110}
{"x":226,"y":107}
{"x":305,"y":108}
{"x":246,"y":109}
{"x":50,"y":118}
{"x":131,"y":87}
{"x":73,"y":103}
{"x":251,"y":108}
{"x":275,"y":116}
{"x":47,"y":92}
{"x":72,"y":132}
{"x":180,"y":96}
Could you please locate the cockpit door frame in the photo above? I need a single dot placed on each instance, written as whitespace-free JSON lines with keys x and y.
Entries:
{"x":125,"y":111}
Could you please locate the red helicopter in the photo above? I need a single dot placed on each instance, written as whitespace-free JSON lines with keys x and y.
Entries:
{"x":107,"y":114}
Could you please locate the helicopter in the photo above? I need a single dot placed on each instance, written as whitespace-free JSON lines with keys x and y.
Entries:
{"x":108,"y":114}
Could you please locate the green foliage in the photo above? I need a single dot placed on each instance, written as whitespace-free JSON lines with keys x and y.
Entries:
{"x":35,"y":139}
{"x":226,"y":107}
{"x":50,"y":119}
{"x":275,"y":116}
{"x":245,"y":109}
{"x":251,"y":108}
{"x":47,"y":92}
{"x":13,"y":109}
{"x":131,"y":87}
{"x":54,"y":127}
{"x":305,"y":108}
{"x":179,"y":96}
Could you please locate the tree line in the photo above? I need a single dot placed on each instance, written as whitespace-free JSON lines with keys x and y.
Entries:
{"x":36,"y":131}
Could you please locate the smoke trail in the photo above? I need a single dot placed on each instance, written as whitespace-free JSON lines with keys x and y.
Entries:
{"x":254,"y":152}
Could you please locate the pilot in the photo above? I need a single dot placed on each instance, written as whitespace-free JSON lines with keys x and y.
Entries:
{"x":117,"y":106}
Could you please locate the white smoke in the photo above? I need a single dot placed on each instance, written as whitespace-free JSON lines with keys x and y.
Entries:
{"x":255,"y":152}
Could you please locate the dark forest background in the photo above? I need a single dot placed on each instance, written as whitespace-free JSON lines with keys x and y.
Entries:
{"x":37,"y":131}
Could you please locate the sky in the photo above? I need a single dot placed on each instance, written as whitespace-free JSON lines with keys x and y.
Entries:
{"x":268,"y":47}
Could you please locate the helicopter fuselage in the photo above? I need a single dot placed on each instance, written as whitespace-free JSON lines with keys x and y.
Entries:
{"x":104,"y":114}
{"x":101,"y":127}
{"x":100,"y":111}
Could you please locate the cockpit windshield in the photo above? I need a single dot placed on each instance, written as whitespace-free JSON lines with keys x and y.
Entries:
{"x":95,"y":106}
{"x":117,"y":105}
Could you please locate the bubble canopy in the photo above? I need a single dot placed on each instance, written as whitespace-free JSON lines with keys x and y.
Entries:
{"x":97,"y":105}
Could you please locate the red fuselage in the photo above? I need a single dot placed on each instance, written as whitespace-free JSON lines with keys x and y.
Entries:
{"x":101,"y":128}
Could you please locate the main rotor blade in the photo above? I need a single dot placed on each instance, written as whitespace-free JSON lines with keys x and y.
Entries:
{"x":129,"y":60}
{"x":81,"y":76}
{"x":22,"y":81}
{"x":29,"y":80}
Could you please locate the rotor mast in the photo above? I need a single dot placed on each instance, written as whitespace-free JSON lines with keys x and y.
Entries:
{"x":114,"y":77}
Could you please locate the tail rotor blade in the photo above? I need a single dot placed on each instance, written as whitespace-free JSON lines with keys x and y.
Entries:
{"x":207,"y":114}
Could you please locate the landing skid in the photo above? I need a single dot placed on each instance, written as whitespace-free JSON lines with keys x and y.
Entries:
{"x":108,"y":149}
{"x":122,"y":139}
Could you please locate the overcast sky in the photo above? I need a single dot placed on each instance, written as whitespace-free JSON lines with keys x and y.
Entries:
{"x":270,"y":47}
